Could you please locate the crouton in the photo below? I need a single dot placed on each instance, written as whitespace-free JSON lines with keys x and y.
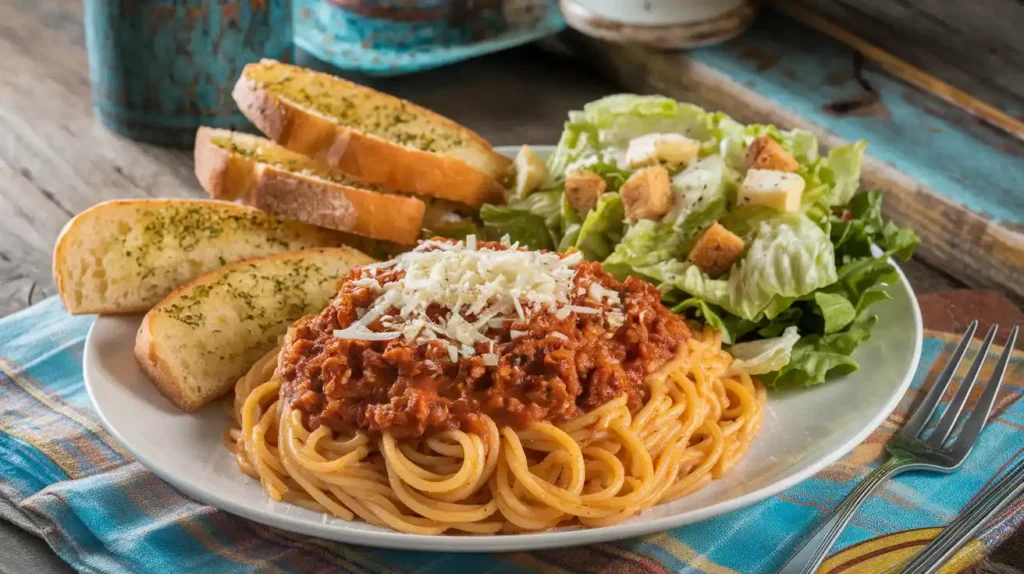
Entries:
{"x":766,"y":153}
{"x":716,"y":249}
{"x":582,"y":188}
{"x":647,"y":194}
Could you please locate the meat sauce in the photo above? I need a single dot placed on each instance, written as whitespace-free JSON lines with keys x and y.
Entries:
{"x":548,"y":368}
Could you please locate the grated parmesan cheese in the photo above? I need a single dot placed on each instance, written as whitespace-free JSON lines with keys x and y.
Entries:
{"x":359,"y":333}
{"x":599,"y":293}
{"x":465,"y":279}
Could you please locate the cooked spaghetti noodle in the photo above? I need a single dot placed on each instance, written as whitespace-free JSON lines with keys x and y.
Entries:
{"x":651,"y":424}
{"x":596,"y":469}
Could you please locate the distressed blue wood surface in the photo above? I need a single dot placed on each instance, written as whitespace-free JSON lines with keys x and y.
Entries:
{"x":933,"y":142}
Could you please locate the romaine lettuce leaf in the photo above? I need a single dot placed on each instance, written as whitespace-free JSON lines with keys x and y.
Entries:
{"x":815,"y":357}
{"x":522,"y":227}
{"x":844,"y":164}
{"x":571,"y":223}
{"x":701,"y":195}
{"x":833,"y":179}
{"x":835,"y":310}
{"x":645,"y":244}
{"x":534,"y":221}
{"x":745,"y":221}
{"x":602,"y":229}
{"x":607,"y":125}
{"x":790,"y":257}
{"x":578,"y":140}
{"x":731,"y":326}
{"x":622,"y":117}
{"x":764,"y":355}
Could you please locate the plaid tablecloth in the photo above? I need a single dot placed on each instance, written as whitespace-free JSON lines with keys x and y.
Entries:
{"x":65,"y":479}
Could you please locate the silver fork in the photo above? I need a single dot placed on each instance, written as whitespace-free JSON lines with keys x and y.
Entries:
{"x":985,"y":506}
{"x":909,"y":449}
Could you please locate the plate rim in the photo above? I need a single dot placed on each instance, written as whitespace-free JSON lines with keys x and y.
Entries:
{"x":519,"y":542}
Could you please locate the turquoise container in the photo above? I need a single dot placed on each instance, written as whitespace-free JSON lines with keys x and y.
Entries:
{"x":159,"y":69}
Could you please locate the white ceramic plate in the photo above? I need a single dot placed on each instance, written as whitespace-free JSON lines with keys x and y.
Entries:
{"x":802,"y":433}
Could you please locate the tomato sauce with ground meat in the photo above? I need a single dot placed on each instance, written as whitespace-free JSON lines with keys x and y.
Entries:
{"x":548,"y":368}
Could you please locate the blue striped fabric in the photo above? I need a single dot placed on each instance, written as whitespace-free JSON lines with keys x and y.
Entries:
{"x":64,"y":478}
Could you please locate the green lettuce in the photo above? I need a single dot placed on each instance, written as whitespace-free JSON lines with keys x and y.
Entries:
{"x":645,"y":244}
{"x":764,"y":355}
{"x":836,"y":311}
{"x":622,"y":117}
{"x":602,"y":229}
{"x":833,"y":179}
{"x":816,"y":357}
{"x":859,"y":226}
{"x":571,"y":223}
{"x":789,"y":257}
{"x":702,"y":193}
{"x":578,"y":139}
{"x":534,"y":221}
{"x":602,"y":130}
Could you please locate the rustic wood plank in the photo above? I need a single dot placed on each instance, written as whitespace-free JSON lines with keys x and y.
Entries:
{"x":54,"y":159}
{"x":973,"y":226}
{"x":907,"y":72}
{"x":977,"y":46}
{"x":57,"y":160}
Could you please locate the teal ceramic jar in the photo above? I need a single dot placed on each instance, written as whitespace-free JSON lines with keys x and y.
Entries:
{"x":161,"y":68}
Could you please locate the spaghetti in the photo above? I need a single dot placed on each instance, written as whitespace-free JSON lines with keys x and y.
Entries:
{"x":597,"y":469}
{"x":475,"y":463}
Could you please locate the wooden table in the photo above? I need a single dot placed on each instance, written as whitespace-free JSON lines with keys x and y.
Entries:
{"x":56,"y":160}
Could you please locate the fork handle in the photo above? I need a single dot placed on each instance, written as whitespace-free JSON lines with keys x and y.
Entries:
{"x":984,"y":507}
{"x":813,"y":551}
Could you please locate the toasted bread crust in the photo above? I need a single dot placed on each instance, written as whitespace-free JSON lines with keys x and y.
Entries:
{"x":368,"y":156}
{"x":150,"y":347}
{"x":301,"y":197}
{"x":59,"y":267}
{"x":217,"y":169}
{"x":158,"y":370}
{"x":380,"y":216}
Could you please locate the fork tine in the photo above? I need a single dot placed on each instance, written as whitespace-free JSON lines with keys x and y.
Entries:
{"x":923,"y":414}
{"x":956,"y":406}
{"x":979,"y":416}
